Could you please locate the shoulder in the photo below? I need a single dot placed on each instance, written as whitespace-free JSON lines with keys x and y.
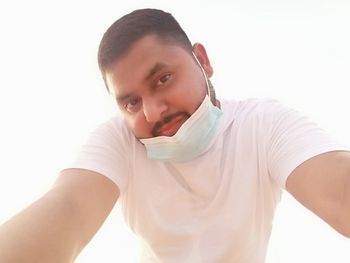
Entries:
{"x":107,"y":150}
{"x":251,"y":105}
{"x":112,"y":129}
{"x":111,"y":138}
{"x":257,"y":109}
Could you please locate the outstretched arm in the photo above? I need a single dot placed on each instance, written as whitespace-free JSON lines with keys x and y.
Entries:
{"x":56,"y":227}
{"x":322,"y":184}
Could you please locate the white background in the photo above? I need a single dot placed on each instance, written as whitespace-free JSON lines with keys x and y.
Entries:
{"x":51,"y":94}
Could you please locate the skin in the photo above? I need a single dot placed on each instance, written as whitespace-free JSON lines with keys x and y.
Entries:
{"x":60,"y":224}
{"x":158,"y":86}
{"x":322,"y":184}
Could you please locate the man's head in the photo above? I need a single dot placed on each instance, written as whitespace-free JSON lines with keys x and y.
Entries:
{"x":127,"y":30}
{"x":148,"y":64}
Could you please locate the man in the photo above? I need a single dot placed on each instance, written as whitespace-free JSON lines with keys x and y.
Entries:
{"x":198,"y":178}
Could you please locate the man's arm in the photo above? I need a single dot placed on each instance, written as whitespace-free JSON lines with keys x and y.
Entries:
{"x":56,"y":227}
{"x":322,"y":184}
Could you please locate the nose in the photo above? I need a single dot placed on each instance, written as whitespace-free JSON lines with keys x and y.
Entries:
{"x":153,"y":109}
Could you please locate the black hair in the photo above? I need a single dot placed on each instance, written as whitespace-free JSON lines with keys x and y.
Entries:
{"x":124,"y":32}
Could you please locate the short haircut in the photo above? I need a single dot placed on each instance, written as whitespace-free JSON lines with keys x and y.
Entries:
{"x":124,"y":32}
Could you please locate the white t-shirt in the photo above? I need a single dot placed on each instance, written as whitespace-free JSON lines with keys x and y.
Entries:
{"x":218,"y":207}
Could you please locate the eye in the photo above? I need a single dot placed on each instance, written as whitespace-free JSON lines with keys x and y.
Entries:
{"x":163,"y":79}
{"x":132,"y":105}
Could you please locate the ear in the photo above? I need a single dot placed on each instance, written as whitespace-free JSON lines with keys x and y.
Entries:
{"x":201,"y":54}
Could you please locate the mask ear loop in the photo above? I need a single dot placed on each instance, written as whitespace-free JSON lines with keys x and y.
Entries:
{"x":205,"y":75}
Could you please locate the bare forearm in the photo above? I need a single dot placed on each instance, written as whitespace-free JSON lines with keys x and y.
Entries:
{"x":46,"y":231}
{"x":346,"y":206}
{"x":57,"y":227}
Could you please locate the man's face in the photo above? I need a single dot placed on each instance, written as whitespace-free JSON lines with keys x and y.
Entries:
{"x":157,"y":86}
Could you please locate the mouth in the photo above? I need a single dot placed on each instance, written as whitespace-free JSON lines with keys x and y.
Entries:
{"x":170,"y":125}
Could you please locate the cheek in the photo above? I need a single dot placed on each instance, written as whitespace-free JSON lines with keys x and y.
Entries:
{"x":192,"y":94}
{"x":192,"y":99}
{"x":139,"y":127}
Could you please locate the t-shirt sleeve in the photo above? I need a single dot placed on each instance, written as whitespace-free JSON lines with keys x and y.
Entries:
{"x":293,"y":139}
{"x":105,"y":152}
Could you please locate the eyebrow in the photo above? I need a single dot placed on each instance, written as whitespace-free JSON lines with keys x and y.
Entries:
{"x":122,"y":98}
{"x":157,"y":67}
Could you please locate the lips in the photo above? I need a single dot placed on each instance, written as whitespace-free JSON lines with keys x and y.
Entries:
{"x":170,"y":125}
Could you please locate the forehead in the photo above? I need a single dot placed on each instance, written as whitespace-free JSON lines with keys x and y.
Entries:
{"x":142,"y":57}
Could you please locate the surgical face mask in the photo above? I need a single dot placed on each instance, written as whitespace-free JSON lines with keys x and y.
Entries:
{"x":192,"y":138}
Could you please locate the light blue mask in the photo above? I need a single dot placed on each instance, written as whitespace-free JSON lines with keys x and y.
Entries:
{"x":190,"y":140}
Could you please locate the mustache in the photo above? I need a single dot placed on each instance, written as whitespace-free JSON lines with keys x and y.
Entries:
{"x":165,"y":120}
